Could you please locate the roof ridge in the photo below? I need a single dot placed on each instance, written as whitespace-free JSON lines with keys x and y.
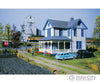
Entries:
{"x":63,"y":21}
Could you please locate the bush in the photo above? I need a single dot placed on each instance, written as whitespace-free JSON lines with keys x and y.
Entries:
{"x":98,"y":59}
{"x":94,"y":67}
{"x":98,"y":49}
{"x":19,"y":55}
{"x":27,"y":59}
{"x":39,"y":52}
{"x":0,"y":51}
{"x":92,"y":48}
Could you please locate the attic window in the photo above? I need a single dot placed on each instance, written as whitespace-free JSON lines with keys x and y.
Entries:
{"x":48,"y":24}
{"x":79,"y":22}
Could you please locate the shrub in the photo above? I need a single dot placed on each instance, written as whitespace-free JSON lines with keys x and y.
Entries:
{"x":98,"y":49}
{"x":52,"y":69}
{"x":27,"y":59}
{"x":94,"y":67}
{"x":98,"y":59}
{"x":19,"y":55}
{"x":92,"y":48}
{"x":0,"y":51}
{"x":39,"y":52}
{"x":48,"y":53}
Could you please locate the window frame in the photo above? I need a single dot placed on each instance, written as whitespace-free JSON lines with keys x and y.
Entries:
{"x":75,"y":32}
{"x":60,"y":32}
{"x":82,"y":33}
{"x":78,"y":44}
{"x":49,"y":32}
{"x":68,"y":32}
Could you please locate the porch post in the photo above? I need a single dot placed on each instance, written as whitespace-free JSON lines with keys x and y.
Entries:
{"x":48,"y":45}
{"x":64,"y":45}
{"x":44,"y":45}
{"x":58,"y":45}
{"x":39,"y":44}
{"x":51,"y":46}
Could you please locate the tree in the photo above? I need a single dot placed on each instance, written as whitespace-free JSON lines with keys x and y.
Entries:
{"x":16,"y":38}
{"x":7,"y":33}
{"x":1,"y":32}
{"x":96,"y":33}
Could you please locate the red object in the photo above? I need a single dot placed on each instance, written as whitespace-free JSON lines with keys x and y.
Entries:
{"x":39,"y":52}
{"x":6,"y":43}
{"x":48,"y":53}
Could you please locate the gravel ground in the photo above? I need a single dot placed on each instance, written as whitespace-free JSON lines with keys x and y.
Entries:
{"x":16,"y":65}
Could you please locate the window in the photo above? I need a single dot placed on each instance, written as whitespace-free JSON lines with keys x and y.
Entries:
{"x":68,"y":32}
{"x":67,"y":45}
{"x":60,"y":32}
{"x":75,"y":32}
{"x":48,"y":32}
{"x":82,"y":33}
{"x":48,"y":24}
{"x":78,"y":44}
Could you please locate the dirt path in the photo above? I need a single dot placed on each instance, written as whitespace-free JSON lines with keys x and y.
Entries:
{"x":55,"y":64}
{"x":16,"y":65}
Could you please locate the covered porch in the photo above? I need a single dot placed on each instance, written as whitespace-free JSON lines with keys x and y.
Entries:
{"x":55,"y":46}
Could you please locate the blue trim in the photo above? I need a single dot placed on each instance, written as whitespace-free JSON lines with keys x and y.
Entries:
{"x":46,"y":24}
{"x":76,"y":23}
{"x":60,"y":32}
{"x":68,"y":32}
{"x":49,"y":32}
{"x":54,"y":32}
{"x":78,"y":44}
{"x":85,"y":40}
{"x":81,"y":22}
{"x":75,"y":32}
{"x":84,"y":24}
{"x":71,"y":42}
{"x":82,"y":33}
{"x":79,"y":28}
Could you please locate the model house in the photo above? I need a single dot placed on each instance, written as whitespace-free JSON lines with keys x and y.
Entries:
{"x":63,"y":36}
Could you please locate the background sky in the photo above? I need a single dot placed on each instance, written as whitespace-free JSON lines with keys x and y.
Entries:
{"x":17,"y":16}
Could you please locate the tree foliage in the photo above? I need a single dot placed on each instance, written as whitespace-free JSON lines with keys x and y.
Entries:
{"x":96,"y":32}
{"x":16,"y":38}
{"x":7,"y":32}
{"x":1,"y":32}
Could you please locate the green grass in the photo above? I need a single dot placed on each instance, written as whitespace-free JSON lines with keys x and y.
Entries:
{"x":43,"y":60}
{"x":80,"y":72}
{"x":83,"y":63}
{"x":45,"y":56}
{"x":30,"y":55}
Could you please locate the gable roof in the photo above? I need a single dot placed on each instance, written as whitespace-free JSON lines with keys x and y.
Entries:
{"x":63,"y":24}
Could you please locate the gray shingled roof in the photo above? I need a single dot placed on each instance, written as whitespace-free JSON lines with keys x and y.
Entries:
{"x":55,"y":38}
{"x":62,"y":24}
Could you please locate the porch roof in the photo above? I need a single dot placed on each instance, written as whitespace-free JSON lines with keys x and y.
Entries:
{"x":55,"y":38}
